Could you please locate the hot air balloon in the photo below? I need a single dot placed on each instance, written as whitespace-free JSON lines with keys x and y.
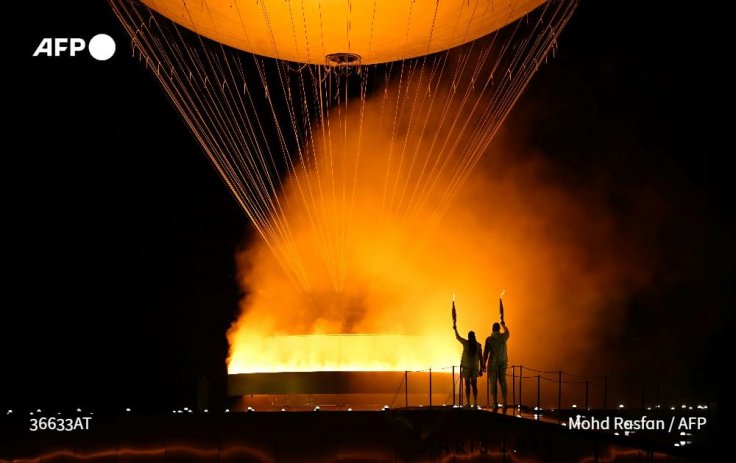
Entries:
{"x":328,"y":116}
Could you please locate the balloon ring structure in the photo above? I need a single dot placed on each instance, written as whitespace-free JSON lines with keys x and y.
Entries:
{"x":310,"y":31}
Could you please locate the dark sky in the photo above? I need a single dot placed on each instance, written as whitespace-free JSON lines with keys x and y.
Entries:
{"x":121,"y":237}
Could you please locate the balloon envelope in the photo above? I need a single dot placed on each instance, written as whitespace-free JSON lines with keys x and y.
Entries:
{"x":377,"y":31}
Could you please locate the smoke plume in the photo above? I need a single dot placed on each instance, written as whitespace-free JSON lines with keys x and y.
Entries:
{"x":383,"y":241}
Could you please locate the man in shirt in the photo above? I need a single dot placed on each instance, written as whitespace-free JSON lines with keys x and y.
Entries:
{"x":496,"y":360}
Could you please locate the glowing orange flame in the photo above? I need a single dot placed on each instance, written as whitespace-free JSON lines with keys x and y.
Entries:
{"x":347,"y":352}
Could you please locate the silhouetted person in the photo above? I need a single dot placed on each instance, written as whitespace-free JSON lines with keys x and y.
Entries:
{"x":470,"y":364}
{"x":203,"y":394}
{"x":497,"y":360}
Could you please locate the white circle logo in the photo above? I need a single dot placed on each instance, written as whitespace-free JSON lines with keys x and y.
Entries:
{"x":101,"y":47}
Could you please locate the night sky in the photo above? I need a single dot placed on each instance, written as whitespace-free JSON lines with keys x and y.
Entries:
{"x":121,"y":237}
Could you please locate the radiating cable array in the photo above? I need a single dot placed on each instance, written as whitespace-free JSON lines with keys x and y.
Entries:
{"x":313,"y":141}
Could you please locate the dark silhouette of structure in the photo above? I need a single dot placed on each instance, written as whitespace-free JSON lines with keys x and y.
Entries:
{"x":203,"y":394}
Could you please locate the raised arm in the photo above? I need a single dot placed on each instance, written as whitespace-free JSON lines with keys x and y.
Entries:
{"x":506,"y":331}
{"x":457,"y":335}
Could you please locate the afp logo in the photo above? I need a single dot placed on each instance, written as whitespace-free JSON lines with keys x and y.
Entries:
{"x":101,"y":47}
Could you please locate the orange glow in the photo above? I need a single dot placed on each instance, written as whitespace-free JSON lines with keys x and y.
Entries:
{"x":362,"y":224}
{"x":378,"y":258}
{"x":341,"y":352}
